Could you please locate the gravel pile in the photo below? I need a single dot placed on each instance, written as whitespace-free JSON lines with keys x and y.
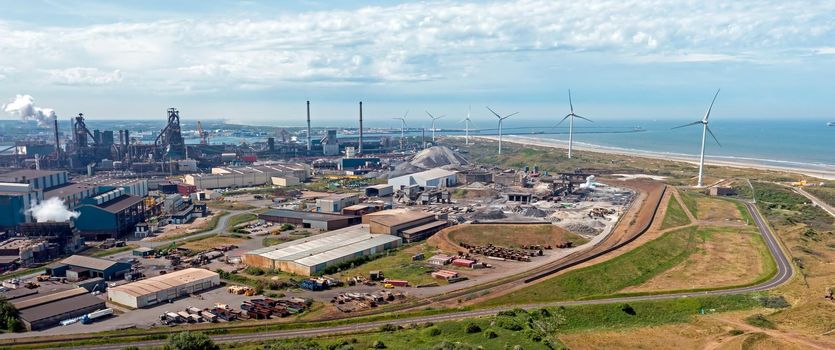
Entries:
{"x":581,"y":229}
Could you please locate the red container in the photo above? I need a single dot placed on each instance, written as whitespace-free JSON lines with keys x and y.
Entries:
{"x":185,"y":189}
{"x":251,"y":158}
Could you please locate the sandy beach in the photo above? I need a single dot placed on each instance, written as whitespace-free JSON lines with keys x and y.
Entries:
{"x":822,"y":172}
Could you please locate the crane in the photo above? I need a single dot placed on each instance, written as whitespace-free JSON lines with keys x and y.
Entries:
{"x":204,"y":135}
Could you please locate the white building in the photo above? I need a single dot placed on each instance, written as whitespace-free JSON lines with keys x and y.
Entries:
{"x":430,"y":178}
{"x":163,"y":288}
{"x":258,"y":175}
{"x":335,"y":203}
{"x":313,"y":254}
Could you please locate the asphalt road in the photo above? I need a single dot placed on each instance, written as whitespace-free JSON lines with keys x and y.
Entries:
{"x":784,"y":274}
{"x":826,"y":207}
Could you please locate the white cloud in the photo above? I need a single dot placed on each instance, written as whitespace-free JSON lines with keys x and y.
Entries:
{"x":409,"y":42}
{"x":84,"y":76}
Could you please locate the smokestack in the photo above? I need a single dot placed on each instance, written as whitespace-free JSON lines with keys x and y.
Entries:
{"x":360,"y":145}
{"x":57,"y":142}
{"x":309,"y":142}
{"x":423,"y":137}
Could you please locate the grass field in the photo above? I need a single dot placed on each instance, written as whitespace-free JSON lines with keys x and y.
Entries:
{"x":536,"y":329}
{"x":398,"y":265}
{"x":513,"y":236}
{"x":207,"y":226}
{"x":824,"y":193}
{"x":723,"y":257}
{"x":606,"y":278}
{"x":207,"y":243}
{"x":716,"y":209}
{"x":238,"y":219}
{"x":97,"y":253}
{"x":225,"y":205}
{"x":689,"y":199}
{"x":675,"y":216}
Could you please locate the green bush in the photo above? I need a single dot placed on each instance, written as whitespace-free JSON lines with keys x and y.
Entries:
{"x":433,"y":331}
{"x":388,"y":327}
{"x":190,"y":341}
{"x":774,"y":302}
{"x":490,"y":334}
{"x":759,"y":320}
{"x":472,"y":328}
{"x":509,"y":323}
{"x":378,"y":345}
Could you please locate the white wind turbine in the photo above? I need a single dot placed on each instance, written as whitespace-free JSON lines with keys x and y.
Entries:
{"x":402,"y":128}
{"x":434,"y":118}
{"x":570,"y":117}
{"x":705,"y":130}
{"x":467,"y":123}
{"x":501,"y":119}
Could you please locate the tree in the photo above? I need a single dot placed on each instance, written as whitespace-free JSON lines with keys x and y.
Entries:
{"x":9,"y":316}
{"x":190,"y":341}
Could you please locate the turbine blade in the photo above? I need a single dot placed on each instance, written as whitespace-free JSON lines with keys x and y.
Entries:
{"x":570,"y":104}
{"x":714,"y":137}
{"x":430,"y":115}
{"x":584,"y":118}
{"x":510,"y":115}
{"x":494,"y":112}
{"x":693,"y":123}
{"x":563,"y":119}
{"x":405,"y":114}
{"x":707,"y":115}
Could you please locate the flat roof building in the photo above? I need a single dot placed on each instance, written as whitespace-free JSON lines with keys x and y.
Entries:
{"x":110,"y":215}
{"x":49,"y":310}
{"x":312,"y":255}
{"x":305,"y":219}
{"x":335,"y":203}
{"x":256,"y":175}
{"x":430,"y":178}
{"x":411,"y":225}
{"x":163,"y":288}
{"x":78,"y":267}
{"x":382,"y":190}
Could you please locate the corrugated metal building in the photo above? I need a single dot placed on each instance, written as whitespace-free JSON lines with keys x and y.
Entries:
{"x":78,"y":267}
{"x":226,"y":177}
{"x":430,"y":178}
{"x":48,"y":310}
{"x":163,"y":288}
{"x":110,"y":215}
{"x":335,"y":203}
{"x":411,"y":225}
{"x":313,"y":254}
{"x":322,"y":221}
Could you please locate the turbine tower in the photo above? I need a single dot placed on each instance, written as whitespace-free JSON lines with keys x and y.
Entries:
{"x":467,"y":123}
{"x":434,"y":118}
{"x":705,"y":130}
{"x":402,"y":128}
{"x":501,"y":119}
{"x":570,"y":117}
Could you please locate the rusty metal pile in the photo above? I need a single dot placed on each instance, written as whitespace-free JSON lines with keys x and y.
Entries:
{"x":261,"y":309}
{"x":348,"y":302}
{"x":493,"y":251}
{"x":598,"y":212}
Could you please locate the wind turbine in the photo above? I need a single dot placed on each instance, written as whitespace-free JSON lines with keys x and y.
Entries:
{"x":570,"y":117}
{"x":434,"y":118}
{"x":705,"y":130}
{"x":402,"y":128}
{"x":467,"y":123}
{"x":501,"y":119}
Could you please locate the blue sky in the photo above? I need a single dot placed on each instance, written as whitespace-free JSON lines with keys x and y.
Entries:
{"x":257,"y":61}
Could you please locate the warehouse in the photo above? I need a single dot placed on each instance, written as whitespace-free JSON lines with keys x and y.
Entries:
{"x":39,"y":179}
{"x":322,"y":221}
{"x":49,"y":310}
{"x":430,"y":178}
{"x":411,"y":225}
{"x":16,"y":200}
{"x":335,"y":203}
{"x":79,"y":267}
{"x":109,"y":215}
{"x":163,"y":288}
{"x":381,"y":190}
{"x":231,"y":177}
{"x":310,"y":256}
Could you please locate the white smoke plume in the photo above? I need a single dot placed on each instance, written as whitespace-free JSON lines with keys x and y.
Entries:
{"x":52,"y":209}
{"x":23,"y":107}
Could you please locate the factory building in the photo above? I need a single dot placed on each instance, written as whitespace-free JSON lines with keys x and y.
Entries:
{"x":284,"y":181}
{"x":472,"y":176}
{"x":39,"y":179}
{"x":430,"y":178}
{"x":330,"y":144}
{"x":335,"y":203}
{"x":358,"y":162}
{"x":49,"y":310}
{"x":79,"y":267}
{"x":411,"y":225}
{"x":322,"y":221}
{"x":109,"y":215}
{"x":311,"y":255}
{"x":15,"y":201}
{"x":134,"y":187}
{"x":258,"y":175}
{"x":163,"y":288}
{"x":381,"y":190}
{"x":72,"y":193}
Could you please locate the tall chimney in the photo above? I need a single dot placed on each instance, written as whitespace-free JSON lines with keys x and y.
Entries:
{"x":309,"y":142}
{"x":360,"y":145}
{"x":423,"y":138}
{"x":57,"y":142}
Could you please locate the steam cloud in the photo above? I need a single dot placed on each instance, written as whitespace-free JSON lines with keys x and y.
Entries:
{"x":23,"y":107}
{"x":53,"y":209}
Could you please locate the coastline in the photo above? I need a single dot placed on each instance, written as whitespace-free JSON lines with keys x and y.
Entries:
{"x":822,"y":173}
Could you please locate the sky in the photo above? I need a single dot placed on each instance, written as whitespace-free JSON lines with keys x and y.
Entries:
{"x":248,"y":61}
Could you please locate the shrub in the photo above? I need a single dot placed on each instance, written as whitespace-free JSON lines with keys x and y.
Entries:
{"x":286,"y":227}
{"x":433,"y":332}
{"x":490,"y":334}
{"x":736,"y":332}
{"x":378,"y":345}
{"x":472,"y":328}
{"x":508,"y":323}
{"x":759,"y":320}
{"x":388,"y":327}
{"x":627,"y":309}
{"x":190,"y":341}
{"x":774,"y":302}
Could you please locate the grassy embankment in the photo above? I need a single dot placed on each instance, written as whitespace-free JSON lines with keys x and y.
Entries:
{"x":239,"y":219}
{"x":536,"y":329}
{"x":513,"y":236}
{"x":824,"y":193}
{"x":675,"y":215}
{"x":97,"y":253}
{"x":207,"y":226}
{"x":398,"y":264}
{"x":226,"y":205}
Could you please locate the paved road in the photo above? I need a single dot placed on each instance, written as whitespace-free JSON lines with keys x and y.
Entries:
{"x":784,"y":274}
{"x":826,"y":207}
